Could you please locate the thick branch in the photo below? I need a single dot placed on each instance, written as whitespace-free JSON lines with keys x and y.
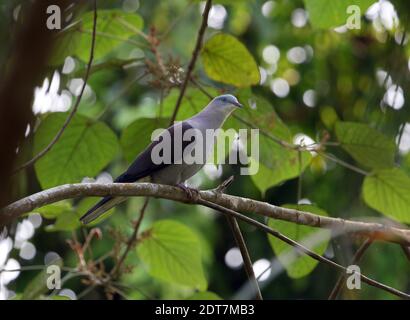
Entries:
{"x":372,"y":230}
{"x":195,"y":54}
{"x":301,"y":248}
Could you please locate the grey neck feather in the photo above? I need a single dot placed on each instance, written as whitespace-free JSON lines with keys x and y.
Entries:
{"x":212,"y":116}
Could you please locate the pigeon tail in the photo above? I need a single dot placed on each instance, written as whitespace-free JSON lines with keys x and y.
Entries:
{"x":100,"y":208}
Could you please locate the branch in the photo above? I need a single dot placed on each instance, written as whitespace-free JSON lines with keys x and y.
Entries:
{"x":77,"y":103}
{"x":372,"y":230}
{"x":240,"y":242}
{"x":247,"y":262}
{"x":131,"y":241}
{"x":226,"y":204}
{"x":301,"y":248}
{"x":357,"y":257}
{"x":195,"y":54}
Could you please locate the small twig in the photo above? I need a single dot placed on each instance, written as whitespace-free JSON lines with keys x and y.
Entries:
{"x":299,"y":194}
{"x":121,"y":93}
{"x":154,"y":44}
{"x":195,"y":54}
{"x":406,"y":251}
{"x":247,"y":262}
{"x":130,"y":27}
{"x":134,"y":288}
{"x":301,"y":248}
{"x":201,"y":88}
{"x":131,"y":241}
{"x":343,"y":163}
{"x":74,"y":110}
{"x":240,"y":242}
{"x":94,"y":232}
{"x":356,"y":259}
{"x":400,"y":136}
{"x":222,"y":187}
{"x":176,"y":21}
{"x":86,"y":291}
{"x":36,"y":267}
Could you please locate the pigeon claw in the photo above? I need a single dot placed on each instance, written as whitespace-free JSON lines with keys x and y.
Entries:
{"x":191,"y":193}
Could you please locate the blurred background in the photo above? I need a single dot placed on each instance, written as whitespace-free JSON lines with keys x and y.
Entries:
{"x":311,"y":76}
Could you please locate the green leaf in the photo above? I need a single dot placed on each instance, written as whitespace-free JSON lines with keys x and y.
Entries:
{"x":287,"y":167}
{"x":227,"y":60}
{"x":276,"y":163}
{"x":205,"y":295}
{"x":171,"y":252}
{"x":388,"y":191}
{"x":366,"y":145}
{"x":258,"y":113}
{"x":303,"y":264}
{"x":68,"y":217}
{"x":228,"y":2}
{"x":66,"y":221}
{"x":137,"y":136}
{"x":54,"y":210}
{"x":326,"y":14}
{"x":58,"y":297}
{"x":113,"y":28}
{"x":84,"y":149}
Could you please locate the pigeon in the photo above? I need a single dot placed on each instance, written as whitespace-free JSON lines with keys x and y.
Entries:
{"x":177,"y":169}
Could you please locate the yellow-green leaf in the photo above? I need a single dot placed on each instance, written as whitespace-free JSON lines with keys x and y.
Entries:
{"x":227,"y":60}
{"x":276,"y":163}
{"x":54,"y":210}
{"x":388,"y":191}
{"x":333,"y":13}
{"x":171,"y":252}
{"x":286,"y":167}
{"x":83,"y":150}
{"x":303,"y":264}
{"x":206,"y":295}
{"x":113,"y":28}
{"x":366,"y":145}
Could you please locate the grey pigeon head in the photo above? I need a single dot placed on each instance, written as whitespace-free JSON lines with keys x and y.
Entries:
{"x":225,"y":103}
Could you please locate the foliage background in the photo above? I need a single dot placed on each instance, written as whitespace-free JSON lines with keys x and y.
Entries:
{"x":311,"y":77}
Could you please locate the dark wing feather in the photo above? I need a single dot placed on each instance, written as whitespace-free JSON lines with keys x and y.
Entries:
{"x":142,"y":167}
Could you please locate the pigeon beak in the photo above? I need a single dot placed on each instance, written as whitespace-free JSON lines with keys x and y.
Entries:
{"x":237,"y":104}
